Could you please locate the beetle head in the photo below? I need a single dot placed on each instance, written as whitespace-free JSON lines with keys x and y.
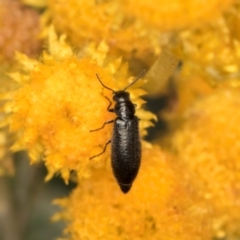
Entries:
{"x":121,"y":96}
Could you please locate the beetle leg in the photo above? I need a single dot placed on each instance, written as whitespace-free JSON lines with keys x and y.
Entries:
{"x":110,"y":103}
{"x":104,"y":149}
{"x":111,"y":121}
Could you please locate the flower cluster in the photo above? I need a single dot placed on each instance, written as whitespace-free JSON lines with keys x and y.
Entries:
{"x":166,"y":207}
{"x":70,"y":102}
{"x":178,"y":14}
{"x":211,"y":51}
{"x":97,"y":20}
{"x":208,"y":143}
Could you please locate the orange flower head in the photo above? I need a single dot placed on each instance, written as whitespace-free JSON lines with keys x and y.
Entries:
{"x":211,"y":51}
{"x":163,"y":204}
{"x":209,"y":144}
{"x":60,"y":100}
{"x":94,"y":21}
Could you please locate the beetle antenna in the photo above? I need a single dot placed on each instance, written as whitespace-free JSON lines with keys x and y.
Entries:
{"x":136,"y":79}
{"x":103,"y":84}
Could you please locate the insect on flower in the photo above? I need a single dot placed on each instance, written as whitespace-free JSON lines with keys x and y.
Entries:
{"x":126,"y":143}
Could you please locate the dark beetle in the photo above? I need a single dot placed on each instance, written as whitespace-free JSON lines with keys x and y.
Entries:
{"x":126,"y":143}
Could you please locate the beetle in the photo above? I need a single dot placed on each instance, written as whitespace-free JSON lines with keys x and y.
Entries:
{"x":125,"y":141}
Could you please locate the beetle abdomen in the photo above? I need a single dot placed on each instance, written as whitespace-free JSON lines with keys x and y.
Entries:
{"x":126,"y":151}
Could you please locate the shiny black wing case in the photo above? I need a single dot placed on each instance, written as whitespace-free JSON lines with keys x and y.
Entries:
{"x":126,"y":151}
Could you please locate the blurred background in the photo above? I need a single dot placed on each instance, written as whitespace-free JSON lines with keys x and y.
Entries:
{"x":188,"y":49}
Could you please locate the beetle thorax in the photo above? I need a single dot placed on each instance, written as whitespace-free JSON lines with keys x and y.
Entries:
{"x":121,"y":96}
{"x":124,"y":108}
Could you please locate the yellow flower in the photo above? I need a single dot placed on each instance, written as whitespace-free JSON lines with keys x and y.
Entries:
{"x":211,"y":51}
{"x":163,"y":204}
{"x":131,"y":29}
{"x":60,"y":100}
{"x":166,"y":15}
{"x":209,"y":144}
{"x":92,"y":20}
{"x":210,"y":56}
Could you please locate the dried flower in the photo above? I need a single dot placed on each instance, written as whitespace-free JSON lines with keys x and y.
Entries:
{"x":16,"y":34}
